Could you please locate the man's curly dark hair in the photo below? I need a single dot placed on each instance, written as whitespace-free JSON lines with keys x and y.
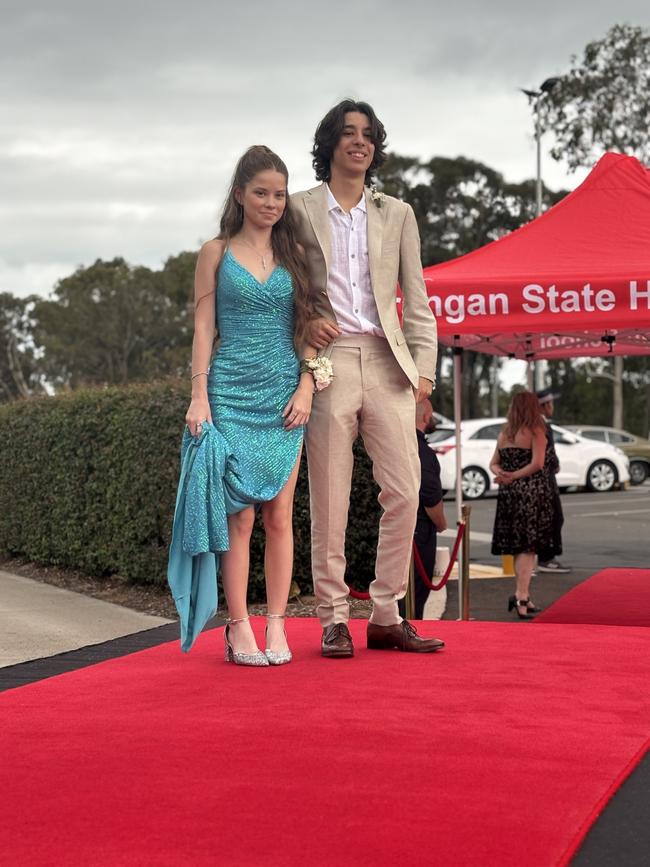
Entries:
{"x":328,"y":134}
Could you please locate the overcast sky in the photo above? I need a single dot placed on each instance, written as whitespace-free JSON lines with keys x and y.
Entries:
{"x":122,"y":122}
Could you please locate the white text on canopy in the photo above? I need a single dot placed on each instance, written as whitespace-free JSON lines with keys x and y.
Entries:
{"x":455,"y":308}
{"x":537,"y":299}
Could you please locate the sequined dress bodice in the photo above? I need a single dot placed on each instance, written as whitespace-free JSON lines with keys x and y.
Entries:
{"x":254,"y":373}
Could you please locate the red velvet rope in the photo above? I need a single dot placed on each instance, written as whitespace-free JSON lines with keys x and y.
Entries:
{"x":419,"y":565}
{"x":357,"y":594}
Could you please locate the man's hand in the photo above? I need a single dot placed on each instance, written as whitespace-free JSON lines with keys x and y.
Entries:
{"x":424,"y":389}
{"x":321,"y":331}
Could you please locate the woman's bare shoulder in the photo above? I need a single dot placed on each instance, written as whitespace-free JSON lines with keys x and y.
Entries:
{"x":212,"y":250}
{"x":524,"y":438}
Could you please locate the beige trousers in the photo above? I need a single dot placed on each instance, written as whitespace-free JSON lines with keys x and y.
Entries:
{"x":370,"y":395}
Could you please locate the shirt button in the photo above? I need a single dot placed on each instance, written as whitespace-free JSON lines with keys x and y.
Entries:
{"x":356,"y":309}
{"x":352,"y":256}
{"x":354,"y":284}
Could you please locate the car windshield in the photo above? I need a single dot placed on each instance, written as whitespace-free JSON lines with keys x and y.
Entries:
{"x":594,"y":434}
{"x":439,"y":434}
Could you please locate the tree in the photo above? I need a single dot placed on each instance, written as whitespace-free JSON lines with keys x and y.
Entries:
{"x":585,"y":389}
{"x":636,"y":390}
{"x":603,"y":102}
{"x":461,"y":204}
{"x":112,"y":323}
{"x":20,"y":375}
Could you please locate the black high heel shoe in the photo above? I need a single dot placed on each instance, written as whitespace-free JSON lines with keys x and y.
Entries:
{"x":517,"y":604}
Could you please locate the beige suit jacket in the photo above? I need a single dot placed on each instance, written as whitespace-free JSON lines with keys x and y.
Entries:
{"x":394,"y":256}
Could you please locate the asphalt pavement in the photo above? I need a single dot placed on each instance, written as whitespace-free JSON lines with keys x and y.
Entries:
{"x":600,"y":531}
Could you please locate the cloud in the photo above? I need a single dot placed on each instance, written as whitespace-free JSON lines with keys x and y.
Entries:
{"x":122,"y":123}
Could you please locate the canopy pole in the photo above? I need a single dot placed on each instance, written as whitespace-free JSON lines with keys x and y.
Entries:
{"x":458,"y":391}
{"x":463,"y":556}
{"x":538,"y":161}
{"x":530,"y":375}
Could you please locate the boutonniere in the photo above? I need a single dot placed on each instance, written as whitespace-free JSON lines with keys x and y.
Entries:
{"x":377,"y":196}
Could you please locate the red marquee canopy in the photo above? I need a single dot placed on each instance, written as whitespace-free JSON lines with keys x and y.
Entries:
{"x":575,"y":281}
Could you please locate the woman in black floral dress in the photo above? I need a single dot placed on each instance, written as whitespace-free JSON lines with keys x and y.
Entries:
{"x":523,"y":524}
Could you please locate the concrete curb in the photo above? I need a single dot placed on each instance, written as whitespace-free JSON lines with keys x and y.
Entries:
{"x":39,"y":620}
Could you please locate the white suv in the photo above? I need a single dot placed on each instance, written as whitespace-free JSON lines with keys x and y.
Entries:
{"x":583,"y":462}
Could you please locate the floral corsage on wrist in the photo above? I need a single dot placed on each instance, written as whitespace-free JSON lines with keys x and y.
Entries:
{"x":320,"y":368}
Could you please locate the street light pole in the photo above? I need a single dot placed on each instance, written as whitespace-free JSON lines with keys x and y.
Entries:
{"x":538,"y":140}
{"x":534,"y":97}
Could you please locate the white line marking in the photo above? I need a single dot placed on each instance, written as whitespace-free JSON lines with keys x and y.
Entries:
{"x":599,"y":502}
{"x":610,"y":514}
{"x":474,"y":535}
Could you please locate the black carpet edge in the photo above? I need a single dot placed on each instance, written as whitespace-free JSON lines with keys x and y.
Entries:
{"x":22,"y":673}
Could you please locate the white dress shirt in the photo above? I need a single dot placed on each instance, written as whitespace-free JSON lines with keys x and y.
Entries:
{"x":349,"y":285}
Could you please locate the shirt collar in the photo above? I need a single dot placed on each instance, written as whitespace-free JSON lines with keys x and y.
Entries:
{"x":332,"y":204}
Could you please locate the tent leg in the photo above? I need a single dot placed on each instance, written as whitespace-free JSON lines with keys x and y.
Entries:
{"x":458,"y":383}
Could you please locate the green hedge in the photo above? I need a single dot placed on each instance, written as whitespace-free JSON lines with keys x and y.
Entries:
{"x":88,"y":481}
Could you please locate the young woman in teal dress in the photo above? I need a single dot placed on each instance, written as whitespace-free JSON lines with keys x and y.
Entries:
{"x":249,"y":404}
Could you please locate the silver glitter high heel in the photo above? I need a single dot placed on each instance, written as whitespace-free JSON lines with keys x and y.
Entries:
{"x":257,"y":658}
{"x":274,"y":657}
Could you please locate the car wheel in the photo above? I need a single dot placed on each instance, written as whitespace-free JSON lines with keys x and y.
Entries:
{"x":638,"y":472}
{"x":601,"y":476}
{"x":475,"y":483}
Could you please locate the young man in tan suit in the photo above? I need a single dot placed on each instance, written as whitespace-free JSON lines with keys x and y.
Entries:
{"x":359,"y":244}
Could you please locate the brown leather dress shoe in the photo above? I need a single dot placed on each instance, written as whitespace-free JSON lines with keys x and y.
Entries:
{"x":337,"y":641}
{"x":401,"y":635}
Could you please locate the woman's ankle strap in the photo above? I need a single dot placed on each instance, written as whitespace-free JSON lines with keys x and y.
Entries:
{"x":239,"y":619}
{"x":276,"y":616}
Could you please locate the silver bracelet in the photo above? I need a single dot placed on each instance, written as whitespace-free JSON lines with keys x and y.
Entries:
{"x":202,"y":373}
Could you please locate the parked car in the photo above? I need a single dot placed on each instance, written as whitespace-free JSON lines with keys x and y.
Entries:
{"x":583,"y":462}
{"x":636,"y":448}
{"x":442,"y":432}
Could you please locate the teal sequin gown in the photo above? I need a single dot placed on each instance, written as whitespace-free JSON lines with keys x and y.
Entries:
{"x":245,"y":456}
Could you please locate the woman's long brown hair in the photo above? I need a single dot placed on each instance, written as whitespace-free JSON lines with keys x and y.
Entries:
{"x":286,"y":252}
{"x":524,"y":412}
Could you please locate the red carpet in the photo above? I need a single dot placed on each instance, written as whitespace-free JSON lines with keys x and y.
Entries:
{"x":499,"y":751}
{"x":614,"y":597}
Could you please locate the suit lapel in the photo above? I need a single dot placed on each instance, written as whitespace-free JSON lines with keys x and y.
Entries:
{"x":316,"y":204}
{"x":375,"y":237}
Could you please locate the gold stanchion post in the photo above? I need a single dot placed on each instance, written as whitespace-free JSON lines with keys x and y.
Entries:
{"x":409,"y":599}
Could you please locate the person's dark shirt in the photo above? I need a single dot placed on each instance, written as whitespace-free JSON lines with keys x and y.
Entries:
{"x":551,"y":460}
{"x":430,"y":487}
